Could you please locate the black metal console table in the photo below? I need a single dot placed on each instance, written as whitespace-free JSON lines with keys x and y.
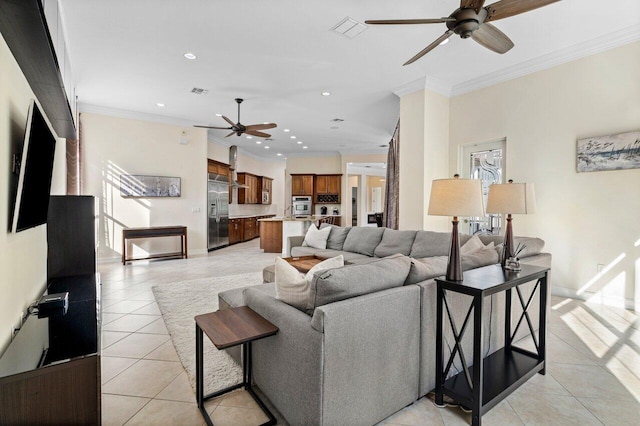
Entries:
{"x":489,"y":380}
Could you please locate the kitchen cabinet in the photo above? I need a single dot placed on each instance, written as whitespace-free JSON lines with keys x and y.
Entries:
{"x":236,"y":231}
{"x":302,"y":185}
{"x":265,"y":193}
{"x":249,"y":195}
{"x":328,"y":189}
{"x":249,"y":228}
{"x":217,"y":168}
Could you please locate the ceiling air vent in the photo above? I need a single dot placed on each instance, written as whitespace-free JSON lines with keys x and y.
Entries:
{"x":337,"y":120}
{"x":199,"y":91}
{"x":349,"y":27}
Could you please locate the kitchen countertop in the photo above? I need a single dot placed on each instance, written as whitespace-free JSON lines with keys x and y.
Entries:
{"x":250,"y":215}
{"x":296,"y":219}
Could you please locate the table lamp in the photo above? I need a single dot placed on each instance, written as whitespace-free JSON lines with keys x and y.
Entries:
{"x":456,"y":197}
{"x":510,"y":198}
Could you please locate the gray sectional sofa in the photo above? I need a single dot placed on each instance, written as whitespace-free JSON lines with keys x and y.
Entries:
{"x":368,"y":349}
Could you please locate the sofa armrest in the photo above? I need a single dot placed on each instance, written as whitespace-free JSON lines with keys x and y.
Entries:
{"x":371,"y":355}
{"x":287,"y":366}
{"x":294,"y":241}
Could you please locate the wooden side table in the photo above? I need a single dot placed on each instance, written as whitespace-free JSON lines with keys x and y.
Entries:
{"x":227,"y":328}
{"x":489,"y":380}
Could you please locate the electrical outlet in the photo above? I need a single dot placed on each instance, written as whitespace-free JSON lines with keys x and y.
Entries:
{"x":195,"y":210}
{"x":600,"y":267}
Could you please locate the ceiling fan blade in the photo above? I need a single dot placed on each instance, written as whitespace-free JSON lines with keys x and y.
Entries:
{"x":212,"y":127}
{"x":231,"y":134}
{"x":228,"y":121}
{"x":472,"y":4}
{"x":430,"y":47}
{"x":257,"y":134}
{"x":407,"y":21}
{"x":507,"y":8}
{"x":261,"y":126}
{"x":492,"y":38}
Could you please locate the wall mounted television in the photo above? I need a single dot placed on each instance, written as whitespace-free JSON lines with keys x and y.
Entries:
{"x":35,"y":172}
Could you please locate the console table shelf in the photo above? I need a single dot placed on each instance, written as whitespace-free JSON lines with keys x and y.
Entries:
{"x":490,"y":379}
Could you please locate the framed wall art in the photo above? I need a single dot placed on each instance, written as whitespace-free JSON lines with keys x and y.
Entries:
{"x":141,"y":186}
{"x":612,"y":152}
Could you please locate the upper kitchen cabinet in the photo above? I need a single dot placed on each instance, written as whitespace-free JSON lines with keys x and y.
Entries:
{"x":217,"y":168}
{"x":328,"y":189}
{"x":266,"y":190}
{"x":249,"y":195}
{"x":302,"y":185}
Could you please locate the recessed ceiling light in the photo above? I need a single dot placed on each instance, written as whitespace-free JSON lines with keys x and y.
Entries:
{"x":160,"y":105}
{"x":265,"y":122}
{"x":190,"y":55}
{"x":304,"y":147}
{"x":249,"y":137}
{"x":279,"y":154}
{"x":443,"y":42}
{"x":350,"y":163}
{"x":218,"y":115}
{"x":286,"y":130}
{"x":266,"y":147}
{"x":293,"y":137}
{"x":258,"y":142}
{"x":299,"y":142}
{"x":326,"y":93}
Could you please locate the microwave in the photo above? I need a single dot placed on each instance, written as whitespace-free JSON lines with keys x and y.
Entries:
{"x":265,"y":197}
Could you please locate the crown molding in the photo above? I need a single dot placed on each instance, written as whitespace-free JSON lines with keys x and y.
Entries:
{"x":122,"y":113}
{"x":410,"y":87}
{"x":559,"y":57}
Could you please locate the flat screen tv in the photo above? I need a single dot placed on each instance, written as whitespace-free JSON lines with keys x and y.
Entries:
{"x":36,"y":169}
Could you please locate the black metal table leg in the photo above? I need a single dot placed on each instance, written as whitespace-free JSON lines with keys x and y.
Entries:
{"x":542,"y":324}
{"x":199,"y":376}
{"x":476,"y":416}
{"x":439,"y":360}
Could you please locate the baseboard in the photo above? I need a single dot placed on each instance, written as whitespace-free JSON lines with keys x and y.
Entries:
{"x":118,"y":259}
{"x":592,"y":297}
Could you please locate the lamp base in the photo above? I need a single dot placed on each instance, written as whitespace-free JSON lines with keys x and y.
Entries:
{"x":454,"y":266}
{"x":507,"y":250}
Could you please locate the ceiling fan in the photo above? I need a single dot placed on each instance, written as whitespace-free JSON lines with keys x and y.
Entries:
{"x":239,"y":128}
{"x":472,"y":20}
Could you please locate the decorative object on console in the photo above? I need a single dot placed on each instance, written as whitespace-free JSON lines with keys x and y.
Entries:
{"x":149,"y":186}
{"x":456,"y":197}
{"x":510,"y":198}
{"x":611,"y":152}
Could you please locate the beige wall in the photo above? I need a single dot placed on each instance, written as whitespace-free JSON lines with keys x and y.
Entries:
{"x":114,"y":146}
{"x":23,"y":256}
{"x":586,"y":219}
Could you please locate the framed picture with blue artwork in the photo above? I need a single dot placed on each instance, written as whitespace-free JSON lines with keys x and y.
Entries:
{"x":612,"y":152}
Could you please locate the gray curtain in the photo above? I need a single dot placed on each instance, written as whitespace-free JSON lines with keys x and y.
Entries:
{"x":392,"y":183}
{"x":74,"y":169}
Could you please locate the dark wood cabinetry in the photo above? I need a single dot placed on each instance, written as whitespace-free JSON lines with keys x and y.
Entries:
{"x":245,"y":228}
{"x":249,"y":227}
{"x":217,"y":168}
{"x":328,"y":189}
{"x":249,"y":195}
{"x":266,"y":190}
{"x":302,"y":185}
{"x":236,"y":231}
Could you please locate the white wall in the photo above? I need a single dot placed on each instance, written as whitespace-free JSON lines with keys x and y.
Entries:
{"x":586,"y":219}
{"x":113,"y":146}
{"x":23,"y":256}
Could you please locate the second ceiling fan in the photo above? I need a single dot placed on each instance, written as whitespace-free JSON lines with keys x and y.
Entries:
{"x":239,"y":128}
{"x":472,"y":20}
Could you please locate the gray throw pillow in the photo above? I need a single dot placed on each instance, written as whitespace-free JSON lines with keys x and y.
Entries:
{"x":363,"y":240}
{"x":479,"y":258}
{"x":355,"y":280}
{"x":336,"y":237}
{"x":427,"y":268}
{"x":395,"y":242}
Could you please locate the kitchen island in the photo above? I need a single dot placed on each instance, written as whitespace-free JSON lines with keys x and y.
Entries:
{"x":274,"y":231}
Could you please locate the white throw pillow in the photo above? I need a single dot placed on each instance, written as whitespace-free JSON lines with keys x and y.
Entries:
{"x":316,"y":238}
{"x":294,"y":287}
{"x":474,"y":244}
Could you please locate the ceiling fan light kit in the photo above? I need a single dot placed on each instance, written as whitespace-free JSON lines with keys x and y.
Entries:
{"x":471,"y":20}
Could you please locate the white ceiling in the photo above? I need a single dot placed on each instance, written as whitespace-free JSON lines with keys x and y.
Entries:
{"x":279,"y":56}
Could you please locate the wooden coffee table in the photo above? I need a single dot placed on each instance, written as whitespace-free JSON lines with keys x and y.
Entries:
{"x":227,"y":328}
{"x":304,"y":263}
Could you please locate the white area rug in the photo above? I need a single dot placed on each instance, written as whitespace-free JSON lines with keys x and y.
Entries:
{"x":179,"y":302}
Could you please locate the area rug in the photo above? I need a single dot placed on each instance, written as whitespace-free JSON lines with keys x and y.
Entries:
{"x":179,"y":302}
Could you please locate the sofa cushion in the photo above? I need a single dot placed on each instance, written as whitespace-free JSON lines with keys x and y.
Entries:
{"x":293,"y":287}
{"x":303,"y":251}
{"x":355,"y":280}
{"x":336,"y":237}
{"x":426,"y":268}
{"x":363,"y":240}
{"x":429,"y":243}
{"x":316,"y":237}
{"x":472,"y":245}
{"x":348,"y":256}
{"x":394,"y":242}
{"x":483,"y":257}
{"x":234,"y":297}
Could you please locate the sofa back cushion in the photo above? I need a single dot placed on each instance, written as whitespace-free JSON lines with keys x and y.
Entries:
{"x":363,"y":240}
{"x":430,"y":243}
{"x":394,"y":242}
{"x":355,"y":280}
{"x":337,"y":236}
{"x":426,"y":268}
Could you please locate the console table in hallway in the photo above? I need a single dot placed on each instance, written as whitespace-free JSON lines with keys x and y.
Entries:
{"x":152,"y":232}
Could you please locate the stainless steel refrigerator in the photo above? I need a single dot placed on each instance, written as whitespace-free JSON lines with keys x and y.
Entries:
{"x":218,"y":210}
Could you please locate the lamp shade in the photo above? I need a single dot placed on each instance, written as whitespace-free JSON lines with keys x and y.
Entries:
{"x":514,"y":198}
{"x":456,"y":197}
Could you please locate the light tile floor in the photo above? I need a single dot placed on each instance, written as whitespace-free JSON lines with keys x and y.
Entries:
{"x":593,"y":374}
